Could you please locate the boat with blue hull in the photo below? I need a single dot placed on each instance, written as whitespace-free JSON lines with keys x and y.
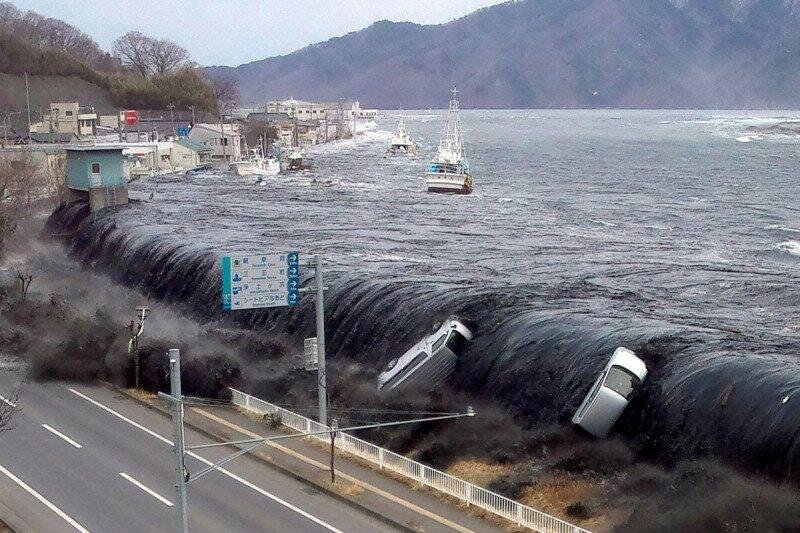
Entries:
{"x":449,"y":172}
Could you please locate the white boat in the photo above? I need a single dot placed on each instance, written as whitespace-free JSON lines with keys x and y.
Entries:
{"x":256,"y":165}
{"x":294,"y":162}
{"x":449,"y":171}
{"x":401,"y":142}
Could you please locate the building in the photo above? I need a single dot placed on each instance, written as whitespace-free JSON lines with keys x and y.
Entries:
{"x":344,"y":109}
{"x":146,"y":158}
{"x":225,"y":143}
{"x":39,"y":138}
{"x":68,"y":117}
{"x":95,"y":174}
{"x":298,"y":109}
{"x":188,"y":154}
{"x":270,"y":119}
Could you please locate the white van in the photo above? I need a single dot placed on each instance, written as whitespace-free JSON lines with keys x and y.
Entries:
{"x":610,"y":393}
{"x":428,"y":362}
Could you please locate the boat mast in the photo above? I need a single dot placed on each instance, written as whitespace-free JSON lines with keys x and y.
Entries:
{"x":451,"y":138}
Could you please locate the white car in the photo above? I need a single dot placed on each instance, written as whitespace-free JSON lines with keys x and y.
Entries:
{"x":610,"y":393}
{"x":428,"y":362}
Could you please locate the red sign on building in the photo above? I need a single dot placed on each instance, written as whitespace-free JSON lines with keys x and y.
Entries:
{"x":131,"y":117}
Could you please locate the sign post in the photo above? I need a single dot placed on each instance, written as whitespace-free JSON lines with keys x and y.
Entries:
{"x":322,"y":391}
{"x":273,"y":280}
{"x":257,"y":281}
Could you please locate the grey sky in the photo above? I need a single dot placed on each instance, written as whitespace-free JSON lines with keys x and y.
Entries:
{"x":231,"y":32}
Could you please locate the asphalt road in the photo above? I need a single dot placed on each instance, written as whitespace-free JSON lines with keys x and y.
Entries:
{"x":82,"y":458}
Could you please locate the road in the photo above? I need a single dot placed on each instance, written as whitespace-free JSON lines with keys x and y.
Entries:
{"x":83,"y":458}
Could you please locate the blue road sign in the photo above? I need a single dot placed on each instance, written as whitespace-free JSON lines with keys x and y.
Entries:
{"x":255,"y":281}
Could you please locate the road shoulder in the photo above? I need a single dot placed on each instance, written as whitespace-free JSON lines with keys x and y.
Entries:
{"x":401,"y":505}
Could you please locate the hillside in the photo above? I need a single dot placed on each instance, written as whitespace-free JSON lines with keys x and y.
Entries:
{"x":65,"y":64}
{"x":55,"y":76}
{"x":550,"y":53}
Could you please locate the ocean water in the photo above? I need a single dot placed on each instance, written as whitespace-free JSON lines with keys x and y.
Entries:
{"x":675,"y":233}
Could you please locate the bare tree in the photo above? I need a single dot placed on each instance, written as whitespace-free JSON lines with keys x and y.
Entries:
{"x":53,"y":34}
{"x":166,"y":56}
{"x":135,"y":51}
{"x":226,"y":92}
{"x":21,"y":185}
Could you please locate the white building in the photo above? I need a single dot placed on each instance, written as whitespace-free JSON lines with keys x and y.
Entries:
{"x":68,"y":117}
{"x":298,"y":108}
{"x":225,"y":143}
{"x":348,"y":110}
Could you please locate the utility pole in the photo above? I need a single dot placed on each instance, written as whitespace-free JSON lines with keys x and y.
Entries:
{"x":171,"y":107}
{"x":179,"y":447}
{"x":28,"y":101}
{"x":222,"y":135}
{"x":192,"y":108}
{"x":322,"y":391}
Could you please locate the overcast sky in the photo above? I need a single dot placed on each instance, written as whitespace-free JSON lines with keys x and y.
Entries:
{"x":231,"y":32}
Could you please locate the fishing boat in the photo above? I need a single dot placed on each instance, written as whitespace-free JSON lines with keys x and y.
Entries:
{"x":254,"y":164}
{"x":294,"y":162}
{"x":401,"y":142}
{"x":449,"y":171}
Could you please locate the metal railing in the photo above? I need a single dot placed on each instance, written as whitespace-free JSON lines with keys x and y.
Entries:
{"x":458,"y":488}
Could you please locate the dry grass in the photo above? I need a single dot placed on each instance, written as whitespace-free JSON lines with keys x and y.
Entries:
{"x":142,"y":395}
{"x":479,"y":472}
{"x":554,"y":493}
{"x":341,"y":486}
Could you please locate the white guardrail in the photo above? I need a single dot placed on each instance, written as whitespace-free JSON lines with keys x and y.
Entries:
{"x":467,"y":492}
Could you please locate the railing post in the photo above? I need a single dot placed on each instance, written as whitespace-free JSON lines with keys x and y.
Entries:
{"x":308,"y":425}
{"x":519,"y":514}
{"x":468,"y":495}
{"x":422,"y":474}
{"x":380,"y":458}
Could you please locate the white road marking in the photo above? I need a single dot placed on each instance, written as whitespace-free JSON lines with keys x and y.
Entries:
{"x":59,"y":434}
{"x":148,"y":490}
{"x":12,"y":404}
{"x":44,"y":500}
{"x":224,"y":471}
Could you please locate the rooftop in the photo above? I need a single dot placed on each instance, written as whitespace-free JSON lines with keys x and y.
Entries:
{"x":93,"y":148}
{"x":197,"y":147}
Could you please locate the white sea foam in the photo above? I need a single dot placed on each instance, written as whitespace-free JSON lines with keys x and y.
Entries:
{"x":783,"y":228}
{"x":790,"y":247}
{"x":390,"y":258}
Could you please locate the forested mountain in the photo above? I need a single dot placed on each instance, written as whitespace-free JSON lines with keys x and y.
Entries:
{"x":556,"y":53}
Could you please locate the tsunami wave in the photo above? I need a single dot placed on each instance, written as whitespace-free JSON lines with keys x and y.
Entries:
{"x":709,"y":393}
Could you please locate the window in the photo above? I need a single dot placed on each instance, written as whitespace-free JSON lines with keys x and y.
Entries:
{"x":456,"y":342}
{"x":95,"y":168}
{"x":438,"y":343}
{"x":621,"y":381}
{"x":68,"y":113}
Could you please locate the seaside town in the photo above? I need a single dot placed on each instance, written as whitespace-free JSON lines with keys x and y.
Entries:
{"x":471,"y":265}
{"x":153,"y":142}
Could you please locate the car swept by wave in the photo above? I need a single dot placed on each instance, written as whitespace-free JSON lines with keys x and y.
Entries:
{"x":610,"y":393}
{"x":428,"y":362}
